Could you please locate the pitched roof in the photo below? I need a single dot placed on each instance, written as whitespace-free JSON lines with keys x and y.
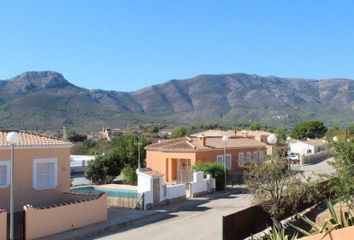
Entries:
{"x":29,"y":139}
{"x":214,"y":133}
{"x":316,"y":142}
{"x":231,"y":133}
{"x":250,"y":133}
{"x":194,"y":144}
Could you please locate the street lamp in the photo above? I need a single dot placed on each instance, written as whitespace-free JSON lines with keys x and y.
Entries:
{"x":288,"y":140}
{"x":139,"y":145}
{"x":13,"y":139}
{"x":225,"y":139}
{"x":272,"y":139}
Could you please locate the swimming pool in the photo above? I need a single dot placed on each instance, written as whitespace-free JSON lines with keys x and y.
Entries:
{"x":111,"y":192}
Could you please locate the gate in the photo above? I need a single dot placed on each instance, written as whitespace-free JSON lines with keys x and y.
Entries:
{"x":156,"y":191}
{"x":184,"y":171}
{"x":184,"y":175}
{"x":19,"y":225}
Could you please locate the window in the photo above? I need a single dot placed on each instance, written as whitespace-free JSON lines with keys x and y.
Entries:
{"x":241,"y":159}
{"x":220,"y":159}
{"x":260,"y":156}
{"x":249,"y":157}
{"x":44,"y":173}
{"x":255,"y":157}
{"x":4,"y":174}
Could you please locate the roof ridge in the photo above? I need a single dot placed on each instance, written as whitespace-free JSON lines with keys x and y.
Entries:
{"x":32,"y":139}
{"x":189,"y":143}
{"x":30,"y":132}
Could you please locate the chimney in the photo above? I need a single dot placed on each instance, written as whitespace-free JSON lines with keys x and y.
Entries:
{"x":202,"y":139}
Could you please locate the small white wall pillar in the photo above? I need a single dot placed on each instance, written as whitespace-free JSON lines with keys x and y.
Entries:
{"x":145,"y":186}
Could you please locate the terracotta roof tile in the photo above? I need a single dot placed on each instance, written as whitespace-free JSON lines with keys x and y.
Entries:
{"x":194,"y":144}
{"x":316,"y":142}
{"x":28,"y":139}
{"x":231,"y":133}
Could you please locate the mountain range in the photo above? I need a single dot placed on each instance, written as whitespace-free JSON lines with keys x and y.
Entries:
{"x":46,"y":100}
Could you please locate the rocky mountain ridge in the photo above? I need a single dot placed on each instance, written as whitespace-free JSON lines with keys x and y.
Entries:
{"x":46,"y":100}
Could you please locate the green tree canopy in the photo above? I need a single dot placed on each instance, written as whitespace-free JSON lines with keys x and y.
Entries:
{"x":126,"y":148}
{"x":350,"y":130}
{"x":104,"y":168}
{"x":129,"y":175}
{"x":76,"y":137}
{"x":255,"y":126}
{"x":308,"y":129}
{"x":281,"y":135}
{"x":343,"y":184}
{"x":179,"y":132}
{"x":275,"y":187}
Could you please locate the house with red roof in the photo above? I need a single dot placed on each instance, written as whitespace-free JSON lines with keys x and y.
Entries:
{"x":175,"y":156}
{"x":43,"y":203}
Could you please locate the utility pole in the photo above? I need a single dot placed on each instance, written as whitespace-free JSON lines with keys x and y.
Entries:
{"x":139,"y":144}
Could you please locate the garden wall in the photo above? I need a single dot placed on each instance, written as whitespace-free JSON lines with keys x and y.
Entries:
{"x":171,"y":193}
{"x":123,"y":202}
{"x":201,"y":186}
{"x":174,"y":192}
{"x":64,"y":217}
{"x":314,"y":157}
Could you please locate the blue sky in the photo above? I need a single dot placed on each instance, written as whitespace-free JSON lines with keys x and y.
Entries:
{"x":128,"y":45}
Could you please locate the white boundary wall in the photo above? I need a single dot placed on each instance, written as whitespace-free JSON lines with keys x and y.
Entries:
{"x":201,"y":185}
{"x":145,"y":187}
{"x":173,"y":192}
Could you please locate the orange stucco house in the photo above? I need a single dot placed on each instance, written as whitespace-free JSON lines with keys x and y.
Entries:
{"x":41,"y":169}
{"x":176,"y":155}
{"x":42,"y":188}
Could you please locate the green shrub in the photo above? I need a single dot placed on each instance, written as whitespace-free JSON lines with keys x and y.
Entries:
{"x":129,"y":175}
{"x":337,"y":220}
{"x":215,"y":169}
{"x":276,"y":234}
{"x":104,"y":168}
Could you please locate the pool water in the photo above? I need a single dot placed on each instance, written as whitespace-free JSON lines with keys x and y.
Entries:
{"x":111,"y":192}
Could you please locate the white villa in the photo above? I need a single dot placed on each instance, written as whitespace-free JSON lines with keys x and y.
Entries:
{"x":307,"y":147}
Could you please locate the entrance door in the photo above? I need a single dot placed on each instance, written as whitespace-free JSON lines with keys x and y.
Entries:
{"x":156,"y":191}
{"x":184,"y":171}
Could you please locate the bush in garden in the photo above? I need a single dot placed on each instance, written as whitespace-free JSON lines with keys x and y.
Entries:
{"x":129,"y":175}
{"x":215,"y":169}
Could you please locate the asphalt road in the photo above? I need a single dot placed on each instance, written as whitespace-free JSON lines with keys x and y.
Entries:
{"x":198,"y":222}
{"x":316,"y":169}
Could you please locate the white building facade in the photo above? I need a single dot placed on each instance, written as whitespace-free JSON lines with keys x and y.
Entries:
{"x":308,"y":147}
